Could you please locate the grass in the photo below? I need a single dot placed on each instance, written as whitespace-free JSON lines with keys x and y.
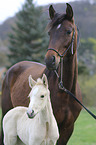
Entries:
{"x":85,"y":130}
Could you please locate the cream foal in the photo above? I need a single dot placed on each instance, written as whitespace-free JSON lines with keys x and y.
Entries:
{"x":35,"y":125}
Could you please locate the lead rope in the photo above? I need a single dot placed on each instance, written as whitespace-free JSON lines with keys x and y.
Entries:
{"x":61,"y":87}
{"x":61,"y":79}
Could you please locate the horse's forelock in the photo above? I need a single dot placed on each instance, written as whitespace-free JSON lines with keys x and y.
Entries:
{"x":58,"y":18}
{"x":39,"y":82}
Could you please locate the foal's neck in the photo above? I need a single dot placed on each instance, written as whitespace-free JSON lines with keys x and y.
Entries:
{"x":46,"y":114}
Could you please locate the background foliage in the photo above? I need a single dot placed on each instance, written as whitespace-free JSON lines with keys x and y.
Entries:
{"x":28,"y":40}
{"x":88,"y":85}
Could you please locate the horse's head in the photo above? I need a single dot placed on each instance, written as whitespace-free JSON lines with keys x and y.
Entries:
{"x":38,"y":95}
{"x":62,"y":31}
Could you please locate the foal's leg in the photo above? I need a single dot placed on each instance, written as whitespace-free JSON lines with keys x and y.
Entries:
{"x":52,"y":142}
{"x":10,"y":140}
{"x":43,"y":143}
{"x":35,"y":142}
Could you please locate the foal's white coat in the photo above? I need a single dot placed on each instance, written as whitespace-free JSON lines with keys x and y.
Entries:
{"x":41,"y":127}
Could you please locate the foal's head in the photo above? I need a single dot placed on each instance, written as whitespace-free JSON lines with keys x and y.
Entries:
{"x":38,"y":95}
{"x":62,"y":29}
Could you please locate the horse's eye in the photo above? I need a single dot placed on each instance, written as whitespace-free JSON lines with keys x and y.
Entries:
{"x":42,"y":96}
{"x":48,"y":33}
{"x":69,"y":32}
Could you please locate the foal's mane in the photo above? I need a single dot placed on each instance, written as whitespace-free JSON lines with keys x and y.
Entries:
{"x":39,"y":82}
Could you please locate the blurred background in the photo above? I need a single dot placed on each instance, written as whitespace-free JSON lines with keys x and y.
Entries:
{"x":23,"y":37}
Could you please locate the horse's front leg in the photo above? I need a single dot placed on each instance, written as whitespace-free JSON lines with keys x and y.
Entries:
{"x":65,"y":134}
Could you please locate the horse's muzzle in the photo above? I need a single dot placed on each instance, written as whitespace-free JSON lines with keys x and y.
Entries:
{"x":31,"y":114}
{"x":51,"y":62}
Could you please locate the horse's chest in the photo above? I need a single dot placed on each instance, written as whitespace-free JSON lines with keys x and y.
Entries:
{"x":61,"y":108}
{"x":43,"y":135}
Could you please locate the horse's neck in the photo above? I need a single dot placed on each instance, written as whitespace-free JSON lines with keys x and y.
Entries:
{"x":46,"y":114}
{"x":70,"y":71}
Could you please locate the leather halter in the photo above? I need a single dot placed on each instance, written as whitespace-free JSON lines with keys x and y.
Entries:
{"x":61,"y":86}
{"x":61,"y":59}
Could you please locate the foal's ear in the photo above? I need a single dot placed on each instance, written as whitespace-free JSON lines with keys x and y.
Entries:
{"x":69,"y":11}
{"x":44,"y":79}
{"x":51,"y":12}
{"x":31,"y":82}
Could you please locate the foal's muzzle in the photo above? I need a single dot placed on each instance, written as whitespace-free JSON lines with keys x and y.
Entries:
{"x":31,"y":114}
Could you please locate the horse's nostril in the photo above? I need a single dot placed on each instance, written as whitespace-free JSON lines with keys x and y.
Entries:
{"x":53,"y":59}
{"x":50,"y":62}
{"x":32,"y":112}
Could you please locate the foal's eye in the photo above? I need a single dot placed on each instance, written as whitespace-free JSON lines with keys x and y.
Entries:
{"x":68,"y":32}
{"x":42,"y":96}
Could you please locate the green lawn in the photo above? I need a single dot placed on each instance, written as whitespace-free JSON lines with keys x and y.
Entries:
{"x":85,"y":130}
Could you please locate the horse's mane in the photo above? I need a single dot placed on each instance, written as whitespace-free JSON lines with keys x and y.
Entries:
{"x":58,"y":19}
{"x":39,"y":82}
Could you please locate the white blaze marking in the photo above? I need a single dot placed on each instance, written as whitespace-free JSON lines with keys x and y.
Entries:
{"x":58,"y":26}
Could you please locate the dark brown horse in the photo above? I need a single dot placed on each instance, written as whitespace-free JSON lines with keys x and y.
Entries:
{"x":62,"y":46}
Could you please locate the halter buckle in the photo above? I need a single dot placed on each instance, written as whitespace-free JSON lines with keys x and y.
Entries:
{"x":61,"y":85}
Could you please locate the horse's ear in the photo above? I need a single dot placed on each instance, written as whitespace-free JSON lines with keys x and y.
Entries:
{"x":44,"y":79}
{"x":69,"y":11}
{"x":31,"y":82}
{"x":51,"y":12}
